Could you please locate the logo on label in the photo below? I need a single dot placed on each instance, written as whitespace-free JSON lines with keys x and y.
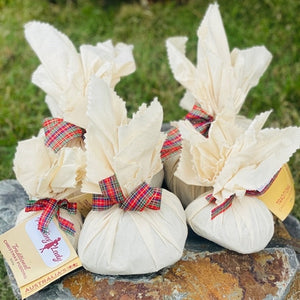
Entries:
{"x":51,"y":246}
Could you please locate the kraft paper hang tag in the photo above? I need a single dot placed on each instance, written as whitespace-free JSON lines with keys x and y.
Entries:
{"x":37,"y":259}
{"x":84,"y":203}
{"x":280,"y":196}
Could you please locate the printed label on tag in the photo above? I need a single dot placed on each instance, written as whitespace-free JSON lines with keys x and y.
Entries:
{"x":84,"y":203}
{"x":37,"y":259}
{"x":280,"y":196}
{"x":51,"y":246}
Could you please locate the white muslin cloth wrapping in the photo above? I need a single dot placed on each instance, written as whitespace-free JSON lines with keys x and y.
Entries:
{"x":76,"y":220}
{"x":231,"y":161}
{"x":46,"y":174}
{"x":219,"y":82}
{"x":64,"y":73}
{"x":245,"y":227}
{"x":115,"y":241}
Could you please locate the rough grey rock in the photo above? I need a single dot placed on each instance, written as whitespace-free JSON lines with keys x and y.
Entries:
{"x":292,"y":225}
{"x":12,"y":201}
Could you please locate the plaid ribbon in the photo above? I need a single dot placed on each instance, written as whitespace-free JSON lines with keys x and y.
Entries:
{"x":227,"y":203}
{"x":144,"y":196}
{"x":50,"y":207}
{"x":172,"y":144}
{"x":220,"y":208}
{"x":201,"y":122}
{"x":58,"y":132}
{"x":258,"y":193}
{"x":200,"y":119}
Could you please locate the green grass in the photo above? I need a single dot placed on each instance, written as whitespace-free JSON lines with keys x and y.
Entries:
{"x":272,"y":23}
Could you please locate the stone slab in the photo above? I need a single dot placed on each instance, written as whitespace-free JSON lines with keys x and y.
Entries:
{"x":206,"y":270}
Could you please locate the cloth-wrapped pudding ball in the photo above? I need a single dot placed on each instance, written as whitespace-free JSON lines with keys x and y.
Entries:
{"x":50,"y":179}
{"x":220,"y":81}
{"x":135,"y":226}
{"x":239,"y":164}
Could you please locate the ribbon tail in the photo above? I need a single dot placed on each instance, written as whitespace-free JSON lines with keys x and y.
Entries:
{"x":156,"y":199}
{"x":222,"y":207}
{"x":66,"y":225}
{"x":47,"y":215}
{"x":33,"y":205}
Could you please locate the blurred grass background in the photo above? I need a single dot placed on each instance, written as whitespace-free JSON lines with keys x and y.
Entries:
{"x":146,"y":25}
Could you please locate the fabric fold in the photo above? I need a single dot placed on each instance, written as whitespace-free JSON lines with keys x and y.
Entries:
{"x":246,"y":227}
{"x":220,"y":80}
{"x":218,"y":85}
{"x":64,"y":73}
{"x":233,"y":160}
{"x":47,"y":175}
{"x":124,"y":171}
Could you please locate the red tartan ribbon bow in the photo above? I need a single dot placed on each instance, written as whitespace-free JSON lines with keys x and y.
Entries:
{"x":201,"y":122}
{"x":59,"y":132}
{"x":50,"y":207}
{"x":227,"y":203}
{"x":144,"y":196}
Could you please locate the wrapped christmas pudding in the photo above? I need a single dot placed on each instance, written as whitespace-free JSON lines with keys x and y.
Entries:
{"x":64,"y":73}
{"x":135,"y":226}
{"x":50,"y":179}
{"x":220,"y":81}
{"x":239,"y":165}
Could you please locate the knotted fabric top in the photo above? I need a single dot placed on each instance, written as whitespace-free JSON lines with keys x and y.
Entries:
{"x":51,"y":207}
{"x":144,"y":196}
{"x":59,"y":132}
{"x":227,"y":202}
{"x":201,"y":122}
